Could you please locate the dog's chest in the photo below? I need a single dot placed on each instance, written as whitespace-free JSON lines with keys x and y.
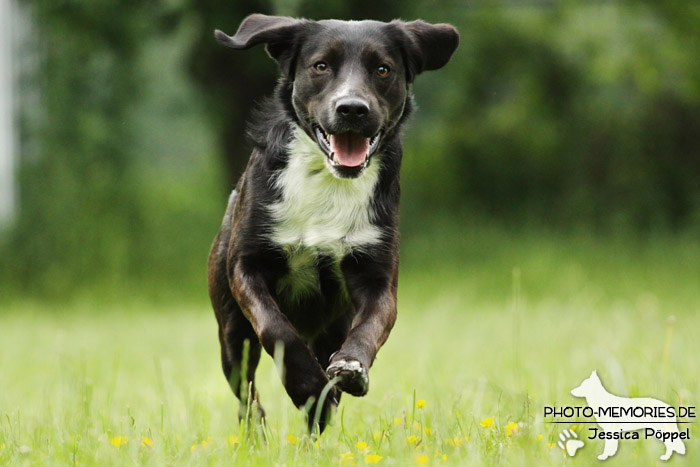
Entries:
{"x":319,"y":215}
{"x":319,"y":211}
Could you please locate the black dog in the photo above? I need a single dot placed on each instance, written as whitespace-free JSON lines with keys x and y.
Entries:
{"x":307,"y":256}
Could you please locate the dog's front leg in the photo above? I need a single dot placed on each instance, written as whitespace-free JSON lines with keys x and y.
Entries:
{"x":372,"y":289}
{"x":303,"y":377}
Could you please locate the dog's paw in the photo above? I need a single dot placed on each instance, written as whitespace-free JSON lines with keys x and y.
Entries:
{"x":353,"y":376}
{"x":569,"y":443}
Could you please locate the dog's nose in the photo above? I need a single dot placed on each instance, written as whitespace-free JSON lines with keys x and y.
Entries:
{"x":352,"y":107}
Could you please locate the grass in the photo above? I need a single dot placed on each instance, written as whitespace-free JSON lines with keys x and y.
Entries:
{"x":506,"y":326}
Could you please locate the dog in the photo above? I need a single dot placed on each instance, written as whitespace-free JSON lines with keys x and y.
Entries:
{"x":305,"y":265}
{"x":613,"y":412}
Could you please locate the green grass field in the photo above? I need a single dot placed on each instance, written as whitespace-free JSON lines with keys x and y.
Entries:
{"x":503,"y":327}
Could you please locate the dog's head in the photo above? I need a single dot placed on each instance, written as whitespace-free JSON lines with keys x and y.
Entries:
{"x":350,"y":79}
{"x":588,"y":387}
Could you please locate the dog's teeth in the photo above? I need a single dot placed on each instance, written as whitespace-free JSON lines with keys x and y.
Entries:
{"x":366,"y":162}
{"x":333,"y":161}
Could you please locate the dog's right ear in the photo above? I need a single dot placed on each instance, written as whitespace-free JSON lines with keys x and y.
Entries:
{"x":280,"y":34}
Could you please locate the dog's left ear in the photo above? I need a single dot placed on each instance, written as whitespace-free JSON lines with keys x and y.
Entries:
{"x":429,"y":46}
{"x":280,"y":34}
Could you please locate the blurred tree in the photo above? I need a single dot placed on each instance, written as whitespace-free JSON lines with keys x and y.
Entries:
{"x":78,"y":215}
{"x":230,"y":82}
{"x":581,"y":113}
{"x":574,"y":112}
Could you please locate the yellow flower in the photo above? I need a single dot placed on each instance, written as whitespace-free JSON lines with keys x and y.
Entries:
{"x":511,"y":428}
{"x":412,"y":438}
{"x":291,"y":439}
{"x":428,"y":431}
{"x":550,"y":445}
{"x":457,"y":441}
{"x":194,"y":446}
{"x":317,"y":445}
{"x":444,"y":457}
{"x":420,"y":403}
{"x":373,"y":458}
{"x":347,"y":458}
{"x":422,"y":459}
{"x":147,"y":442}
{"x":397,"y":421}
{"x":119,"y":440}
{"x":487,"y":422}
{"x":233,"y":439}
{"x":361,"y":446}
{"x":539,"y":437}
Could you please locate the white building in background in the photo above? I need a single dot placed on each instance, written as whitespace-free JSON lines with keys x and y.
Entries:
{"x":7,"y":121}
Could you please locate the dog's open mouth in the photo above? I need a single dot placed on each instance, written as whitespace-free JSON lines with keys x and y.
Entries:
{"x":351,"y":151}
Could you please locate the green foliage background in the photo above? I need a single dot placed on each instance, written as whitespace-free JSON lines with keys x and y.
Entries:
{"x":571,"y":116}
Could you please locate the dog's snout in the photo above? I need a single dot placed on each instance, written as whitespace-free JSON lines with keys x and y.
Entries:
{"x":352,"y":108}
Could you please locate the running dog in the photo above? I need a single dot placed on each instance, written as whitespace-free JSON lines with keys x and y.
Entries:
{"x":305,"y":264}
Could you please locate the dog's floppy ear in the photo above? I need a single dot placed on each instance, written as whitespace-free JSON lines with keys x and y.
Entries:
{"x":279,"y":34}
{"x":429,"y":46}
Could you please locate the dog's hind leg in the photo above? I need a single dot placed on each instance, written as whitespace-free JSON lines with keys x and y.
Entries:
{"x":240,"y":354}
{"x":240,"y":347}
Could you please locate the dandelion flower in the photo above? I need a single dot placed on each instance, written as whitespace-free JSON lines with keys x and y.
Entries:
{"x":511,"y":428}
{"x":347,"y":458}
{"x":373,"y":458}
{"x":423,"y":459}
{"x":361,"y":446}
{"x":119,"y":440}
{"x":420,"y":403}
{"x":412,"y":438}
{"x":539,"y":437}
{"x":147,"y":442}
{"x":487,"y":422}
{"x":291,"y":439}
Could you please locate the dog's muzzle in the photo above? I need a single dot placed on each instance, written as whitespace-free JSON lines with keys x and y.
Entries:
{"x":349,"y":153}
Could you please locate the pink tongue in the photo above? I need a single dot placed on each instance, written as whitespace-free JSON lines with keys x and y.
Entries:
{"x":349,"y":148}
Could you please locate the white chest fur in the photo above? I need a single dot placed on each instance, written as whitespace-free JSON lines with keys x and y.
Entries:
{"x":318,"y":210}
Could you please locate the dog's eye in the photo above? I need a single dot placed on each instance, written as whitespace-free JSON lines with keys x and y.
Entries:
{"x":321,"y":67}
{"x":383,"y":70}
